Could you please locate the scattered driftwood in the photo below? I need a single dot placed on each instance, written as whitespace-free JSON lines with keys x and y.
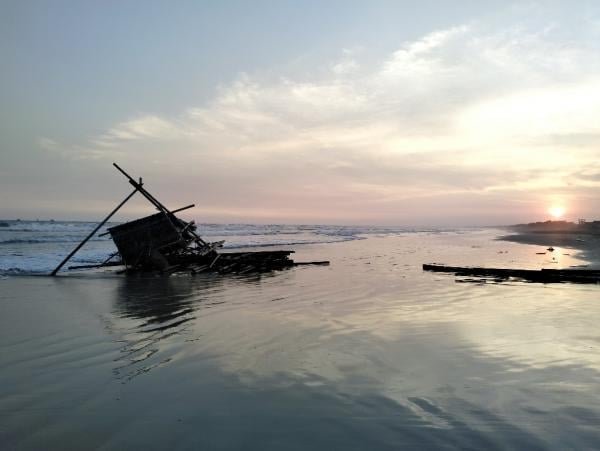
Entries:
{"x":163,"y":242}
{"x":531,"y":275}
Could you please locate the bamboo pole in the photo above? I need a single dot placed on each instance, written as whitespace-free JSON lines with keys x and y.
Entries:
{"x":184,"y":208}
{"x":155,"y":201}
{"x":74,"y":251}
{"x":146,"y":194}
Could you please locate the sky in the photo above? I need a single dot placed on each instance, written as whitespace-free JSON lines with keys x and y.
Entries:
{"x":306,"y":112}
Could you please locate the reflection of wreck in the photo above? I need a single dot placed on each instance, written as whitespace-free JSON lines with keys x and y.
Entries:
{"x":163,"y":242}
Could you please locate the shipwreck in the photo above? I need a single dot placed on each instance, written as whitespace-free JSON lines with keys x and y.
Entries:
{"x":167,"y":244}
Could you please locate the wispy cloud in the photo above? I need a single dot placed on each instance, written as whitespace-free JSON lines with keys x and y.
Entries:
{"x":462,"y":112}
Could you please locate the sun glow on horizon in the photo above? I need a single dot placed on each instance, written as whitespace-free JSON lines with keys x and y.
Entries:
{"x":556,"y":211}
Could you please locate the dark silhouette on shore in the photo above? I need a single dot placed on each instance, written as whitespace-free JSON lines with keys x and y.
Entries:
{"x":581,"y":226}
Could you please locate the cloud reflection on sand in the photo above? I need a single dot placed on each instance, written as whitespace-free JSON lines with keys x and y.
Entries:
{"x":369,"y":353}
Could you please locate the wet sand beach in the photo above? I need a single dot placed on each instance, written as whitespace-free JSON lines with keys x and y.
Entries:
{"x":368,"y":353}
{"x":585,"y":244}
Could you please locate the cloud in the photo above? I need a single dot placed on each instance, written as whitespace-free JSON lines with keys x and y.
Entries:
{"x":145,"y":127}
{"x":49,"y":145}
{"x":461,"y":111}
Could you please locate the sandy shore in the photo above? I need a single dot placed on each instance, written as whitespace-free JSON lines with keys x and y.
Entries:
{"x":368,"y":353}
{"x":587,"y":245}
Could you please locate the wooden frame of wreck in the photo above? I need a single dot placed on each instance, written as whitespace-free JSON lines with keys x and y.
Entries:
{"x":185,"y":249}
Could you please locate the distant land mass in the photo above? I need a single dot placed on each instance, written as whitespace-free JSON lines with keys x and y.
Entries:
{"x":580,"y":227}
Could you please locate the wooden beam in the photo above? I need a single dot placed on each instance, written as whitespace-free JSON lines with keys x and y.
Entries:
{"x":154,"y":201}
{"x":533,"y":275}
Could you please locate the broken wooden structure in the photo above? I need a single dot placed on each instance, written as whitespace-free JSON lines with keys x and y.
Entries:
{"x":163,"y":242}
{"x":530,"y":275}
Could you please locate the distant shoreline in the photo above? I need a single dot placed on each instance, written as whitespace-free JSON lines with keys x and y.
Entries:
{"x":587,"y":244}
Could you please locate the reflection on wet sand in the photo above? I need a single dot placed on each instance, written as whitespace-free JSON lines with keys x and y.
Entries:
{"x":164,"y":306}
{"x":418,"y":391}
{"x":369,"y":353}
{"x":160,"y":308}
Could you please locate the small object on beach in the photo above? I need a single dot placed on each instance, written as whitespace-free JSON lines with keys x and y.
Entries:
{"x":551,"y":249}
{"x":540,"y":253}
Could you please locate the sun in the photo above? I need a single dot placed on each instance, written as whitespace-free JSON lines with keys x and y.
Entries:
{"x":556,"y":211}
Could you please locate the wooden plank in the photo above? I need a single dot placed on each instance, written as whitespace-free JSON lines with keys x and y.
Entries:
{"x":544,"y":275}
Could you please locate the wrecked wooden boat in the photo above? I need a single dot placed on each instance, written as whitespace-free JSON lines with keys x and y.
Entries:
{"x":529,"y":275}
{"x":165,"y":243}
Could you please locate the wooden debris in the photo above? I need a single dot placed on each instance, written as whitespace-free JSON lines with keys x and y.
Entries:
{"x":542,"y":275}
